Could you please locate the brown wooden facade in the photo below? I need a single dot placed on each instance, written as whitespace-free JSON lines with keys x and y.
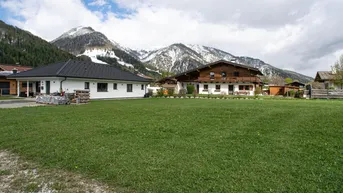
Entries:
{"x":9,"y":86}
{"x":12,"y":89}
{"x":220,"y":72}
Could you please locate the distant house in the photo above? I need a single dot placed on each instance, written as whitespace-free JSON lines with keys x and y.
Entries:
{"x":326,"y":77}
{"x":221,"y":77}
{"x":282,"y":90}
{"x":102,"y":81}
{"x":296,"y":84}
{"x":7,"y":86}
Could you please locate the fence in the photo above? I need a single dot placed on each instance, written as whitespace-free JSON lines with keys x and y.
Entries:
{"x":326,"y":94}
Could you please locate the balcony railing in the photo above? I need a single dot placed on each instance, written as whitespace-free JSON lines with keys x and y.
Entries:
{"x":229,"y":79}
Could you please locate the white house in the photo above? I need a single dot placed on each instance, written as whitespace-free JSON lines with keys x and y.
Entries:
{"x":221,"y":77}
{"x":102,"y":81}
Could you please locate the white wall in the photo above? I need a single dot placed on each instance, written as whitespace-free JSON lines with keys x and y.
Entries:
{"x":70,"y":85}
{"x":54,"y":84}
{"x":224,"y":88}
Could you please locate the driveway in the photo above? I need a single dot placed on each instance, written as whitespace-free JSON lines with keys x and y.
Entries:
{"x":17,"y":103}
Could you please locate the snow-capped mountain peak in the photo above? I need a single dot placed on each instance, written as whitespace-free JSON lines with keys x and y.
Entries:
{"x":178,"y":58}
{"x":77,"y":31}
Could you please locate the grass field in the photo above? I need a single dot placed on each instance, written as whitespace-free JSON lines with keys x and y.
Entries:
{"x":6,"y":97}
{"x":187,"y":145}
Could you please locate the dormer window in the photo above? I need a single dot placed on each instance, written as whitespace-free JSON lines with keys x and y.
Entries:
{"x":224,"y":75}
{"x":212,"y":75}
{"x":236,"y":74}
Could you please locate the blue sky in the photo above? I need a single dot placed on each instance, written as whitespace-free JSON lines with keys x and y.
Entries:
{"x":103,"y":6}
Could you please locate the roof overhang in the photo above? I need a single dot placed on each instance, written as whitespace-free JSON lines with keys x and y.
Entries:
{"x":39,"y":78}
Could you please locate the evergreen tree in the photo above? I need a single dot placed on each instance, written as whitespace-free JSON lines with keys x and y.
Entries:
{"x":21,"y":47}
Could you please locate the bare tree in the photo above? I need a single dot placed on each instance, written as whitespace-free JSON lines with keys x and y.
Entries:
{"x":277,"y":81}
{"x":337,"y":71}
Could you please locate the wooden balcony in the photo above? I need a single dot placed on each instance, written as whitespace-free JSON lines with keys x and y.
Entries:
{"x":230,"y":79}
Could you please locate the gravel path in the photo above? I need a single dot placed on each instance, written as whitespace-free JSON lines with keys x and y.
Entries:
{"x":19,"y":105}
{"x":17,"y":175}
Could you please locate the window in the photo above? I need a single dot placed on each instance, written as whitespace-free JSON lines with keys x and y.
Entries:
{"x":211,"y":75}
{"x":217,"y":87}
{"x":102,"y":87}
{"x":205,"y":86}
{"x":24,"y":84}
{"x":115,"y":86}
{"x":142,"y":87}
{"x":129,"y":87}
{"x":245,"y":87}
{"x":235,"y":73}
{"x":223,"y":75}
{"x":86,"y":85}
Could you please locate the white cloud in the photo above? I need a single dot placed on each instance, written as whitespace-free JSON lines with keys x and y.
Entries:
{"x":290,"y":34}
{"x":98,"y":3}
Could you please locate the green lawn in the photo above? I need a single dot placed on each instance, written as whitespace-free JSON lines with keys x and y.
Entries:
{"x":8,"y":97}
{"x":187,"y":145}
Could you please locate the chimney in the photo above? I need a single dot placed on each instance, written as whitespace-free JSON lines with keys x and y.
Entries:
{"x":14,"y":71}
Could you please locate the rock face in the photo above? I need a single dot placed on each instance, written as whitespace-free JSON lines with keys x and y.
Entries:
{"x":175,"y":58}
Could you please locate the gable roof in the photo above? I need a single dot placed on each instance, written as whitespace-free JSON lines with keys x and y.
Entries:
{"x":225,"y":62}
{"x":81,"y":69}
{"x":324,"y":75}
{"x":5,"y":67}
{"x":295,"y":83}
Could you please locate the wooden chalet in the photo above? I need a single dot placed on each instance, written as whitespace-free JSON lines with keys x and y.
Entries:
{"x":7,"y":86}
{"x":327,"y":78}
{"x":221,"y":77}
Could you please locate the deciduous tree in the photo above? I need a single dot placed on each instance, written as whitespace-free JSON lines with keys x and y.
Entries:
{"x":277,"y":80}
{"x":288,"y":80}
{"x":337,"y":71}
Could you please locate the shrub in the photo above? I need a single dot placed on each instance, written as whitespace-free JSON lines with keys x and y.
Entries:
{"x":149,"y":93}
{"x":258,"y":91}
{"x":190,"y":89}
{"x":182,"y":92}
{"x":290,"y":93}
{"x":171,"y":91}
{"x":160,"y":92}
{"x":299,"y":94}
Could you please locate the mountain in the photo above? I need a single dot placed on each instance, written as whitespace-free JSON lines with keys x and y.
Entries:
{"x":22,"y":47}
{"x":175,"y":58}
{"x":85,"y":41}
{"x":80,"y":39}
{"x":178,"y":58}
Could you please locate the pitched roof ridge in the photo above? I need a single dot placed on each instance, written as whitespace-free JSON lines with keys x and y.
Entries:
{"x":64,"y":65}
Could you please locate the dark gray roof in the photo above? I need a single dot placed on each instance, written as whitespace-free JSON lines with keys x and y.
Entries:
{"x":324,"y":75}
{"x":81,"y":69}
